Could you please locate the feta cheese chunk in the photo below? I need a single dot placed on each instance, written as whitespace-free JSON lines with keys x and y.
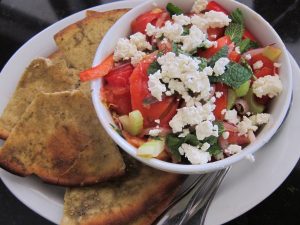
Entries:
{"x":124,"y":50}
{"x":181,"y":19}
{"x":138,"y":56}
{"x":206,"y":129}
{"x":211,"y":19}
{"x":258,"y":65}
{"x":220,"y":66}
{"x":245,"y":126}
{"x":139,"y":40}
{"x":154,"y":132}
{"x":155,"y":86}
{"x":151,"y":30}
{"x":199,"y":6}
{"x":267,"y":85}
{"x":194,"y":40}
{"x":194,"y":155}
{"x":171,"y":31}
{"x":231,"y":116}
{"x":233,"y":149}
{"x":260,"y":118}
{"x":205,"y":146}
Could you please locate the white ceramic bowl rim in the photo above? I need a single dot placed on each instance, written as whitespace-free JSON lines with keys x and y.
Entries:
{"x":105,"y":119}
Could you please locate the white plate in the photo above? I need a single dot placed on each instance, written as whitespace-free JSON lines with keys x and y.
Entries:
{"x":244,"y":187}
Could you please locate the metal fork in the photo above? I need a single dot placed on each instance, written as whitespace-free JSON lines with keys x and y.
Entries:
{"x":196,"y":199}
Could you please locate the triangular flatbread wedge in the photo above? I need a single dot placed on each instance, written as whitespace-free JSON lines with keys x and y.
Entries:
{"x":79,"y":41}
{"x":127,"y":200}
{"x":60,"y":139}
{"x":42,"y":75}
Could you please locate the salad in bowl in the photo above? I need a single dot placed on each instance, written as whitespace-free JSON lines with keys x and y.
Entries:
{"x":188,"y":84}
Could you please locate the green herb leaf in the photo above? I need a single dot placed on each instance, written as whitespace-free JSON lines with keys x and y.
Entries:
{"x":223,"y":52}
{"x":173,"y":144}
{"x":203,"y":63}
{"x":186,"y":31}
{"x":173,"y":9}
{"x":191,"y":139}
{"x":237,"y":16}
{"x":211,"y":140}
{"x":155,"y":66}
{"x":220,"y":125}
{"x":247,"y":44}
{"x":235,"y":31}
{"x":234,"y":76}
{"x":214,"y":149}
{"x":116,"y":129}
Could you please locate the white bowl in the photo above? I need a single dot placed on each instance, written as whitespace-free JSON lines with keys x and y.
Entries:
{"x":257,"y":26}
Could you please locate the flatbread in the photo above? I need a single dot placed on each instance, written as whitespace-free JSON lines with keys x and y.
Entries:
{"x":42,"y":75}
{"x":60,"y":139}
{"x":127,"y":200}
{"x":79,"y":41}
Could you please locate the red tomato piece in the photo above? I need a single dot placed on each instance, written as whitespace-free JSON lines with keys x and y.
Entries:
{"x":139,"y":92}
{"x":215,"y":33}
{"x":216,"y":7}
{"x":235,"y":138}
{"x":221,"y":103}
{"x":119,"y":76}
{"x":140,"y":23}
{"x":259,"y":57}
{"x":169,"y":114}
{"x":208,"y":53}
{"x":247,"y":34}
{"x":234,"y":56}
{"x":162,"y":19}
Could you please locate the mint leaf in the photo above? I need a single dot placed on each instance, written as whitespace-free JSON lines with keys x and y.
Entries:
{"x":234,"y":76}
{"x":155,"y":66}
{"x":191,"y":139}
{"x":173,"y":144}
{"x":235,"y":31}
{"x":220,"y":125}
{"x":223,"y":52}
{"x":211,"y":140}
{"x":237,"y":16}
{"x":247,"y":44}
{"x":173,"y":9}
{"x":214,"y":150}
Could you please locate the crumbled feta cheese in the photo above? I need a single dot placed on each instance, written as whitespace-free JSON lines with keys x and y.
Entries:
{"x":194,"y":155}
{"x":208,"y":71}
{"x":154,"y":132}
{"x":233,"y":149}
{"x":137,"y":57}
{"x":248,"y":57}
{"x":171,"y":31}
{"x":277,"y":65}
{"x":151,"y":30}
{"x":206,"y":129}
{"x":139,"y":40}
{"x":223,"y":112}
{"x":219,"y":94}
{"x":193,"y":40}
{"x":220,"y":66}
{"x":199,"y":6}
{"x":181,"y":19}
{"x":267,"y":85}
{"x":258,"y":65}
{"x":211,"y":19}
{"x":225,"y":135}
{"x":260,"y":118}
{"x":155,"y":86}
{"x":184,"y":133}
{"x":237,"y":50}
{"x":205,"y":146}
{"x":124,"y":50}
{"x":157,"y":121}
{"x":200,"y":22}
{"x":231,"y":116}
{"x":219,"y":156}
{"x":246,"y":125}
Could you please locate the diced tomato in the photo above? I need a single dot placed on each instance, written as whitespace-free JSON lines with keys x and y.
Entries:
{"x":247,"y":34}
{"x":235,"y":138}
{"x":139,"y":92}
{"x":140,"y":23}
{"x":234,"y":56}
{"x":133,"y":140}
{"x":119,"y":76}
{"x":259,"y":57}
{"x":221,"y":103}
{"x":216,"y":7}
{"x":263,"y":72}
{"x":215,"y":33}
{"x":164,"y":46}
{"x":169,"y":114}
{"x":221,"y":42}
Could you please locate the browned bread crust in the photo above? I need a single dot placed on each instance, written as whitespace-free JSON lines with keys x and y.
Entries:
{"x":122,"y":201}
{"x":60,"y":139}
{"x":79,"y":41}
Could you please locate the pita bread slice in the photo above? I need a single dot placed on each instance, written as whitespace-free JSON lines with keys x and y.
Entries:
{"x":121,"y":201}
{"x":42,"y":75}
{"x":60,"y":139}
{"x":79,"y":41}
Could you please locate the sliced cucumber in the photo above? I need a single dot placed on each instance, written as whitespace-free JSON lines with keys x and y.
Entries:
{"x":231,"y":98}
{"x":254,"y":106}
{"x":133,"y":123}
{"x":272,"y":53}
{"x":243,"y":89}
{"x":151,"y":148}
